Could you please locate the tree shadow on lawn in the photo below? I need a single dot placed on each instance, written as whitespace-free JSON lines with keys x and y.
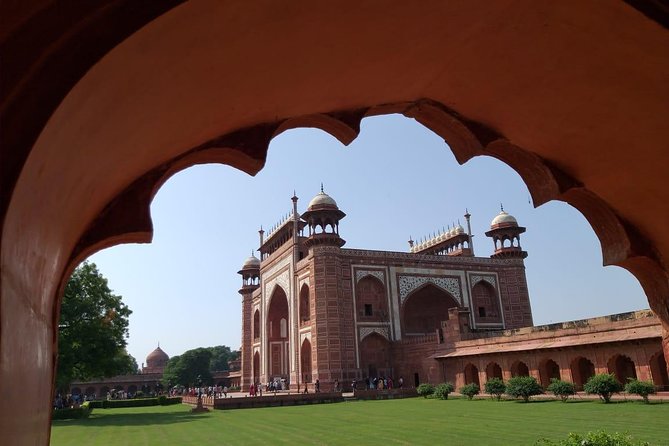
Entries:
{"x":131,"y":419}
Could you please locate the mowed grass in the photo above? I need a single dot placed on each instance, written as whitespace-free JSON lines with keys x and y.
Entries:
{"x":414,"y":421}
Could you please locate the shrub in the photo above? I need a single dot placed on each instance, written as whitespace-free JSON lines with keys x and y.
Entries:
{"x":599,"y":438}
{"x":139,"y":402}
{"x":495,"y":387}
{"x":425,"y":390}
{"x":68,"y":414}
{"x":641,"y":388}
{"x":561,"y":389}
{"x":442,"y":390}
{"x":470,"y":390}
{"x":603,"y":385}
{"x":523,"y":387}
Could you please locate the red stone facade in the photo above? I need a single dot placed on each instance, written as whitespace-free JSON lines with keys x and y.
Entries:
{"x":627,"y":345}
{"x":314,"y":310}
{"x":319,"y":311}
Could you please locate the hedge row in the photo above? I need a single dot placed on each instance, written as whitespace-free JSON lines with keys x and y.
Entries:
{"x":138,"y":402}
{"x":69,"y":413}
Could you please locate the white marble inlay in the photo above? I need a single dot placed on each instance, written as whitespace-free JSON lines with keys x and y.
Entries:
{"x":366,"y":331}
{"x":410,"y":283}
{"x":359,"y":274}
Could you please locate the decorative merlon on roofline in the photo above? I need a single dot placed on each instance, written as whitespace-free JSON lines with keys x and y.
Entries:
{"x":436,"y":238}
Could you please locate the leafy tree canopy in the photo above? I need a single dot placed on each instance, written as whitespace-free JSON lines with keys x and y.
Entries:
{"x":495,"y":387}
{"x":604,"y":385}
{"x":220,"y":355}
{"x":92,"y":330}
{"x":523,"y":387}
{"x":185,"y":369}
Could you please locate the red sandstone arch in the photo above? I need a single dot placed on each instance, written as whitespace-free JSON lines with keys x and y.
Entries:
{"x":71,"y":67}
{"x":519,"y":368}
{"x":581,"y":371}
{"x":375,"y":356}
{"x":305,"y":361}
{"x":256,"y":367}
{"x":493,"y":370}
{"x":658,"y":371}
{"x":277,"y":329}
{"x":76,"y":391}
{"x":472,"y":374}
{"x":305,"y":310}
{"x":622,"y":367}
{"x":485,"y":304}
{"x":424,"y":309}
{"x":548,"y":369}
{"x":256,"y":324}
{"x":90,"y":391}
{"x":104,"y":390}
{"x":371,"y":301}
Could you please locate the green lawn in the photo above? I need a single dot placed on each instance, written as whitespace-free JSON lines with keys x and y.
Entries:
{"x":395,"y":422}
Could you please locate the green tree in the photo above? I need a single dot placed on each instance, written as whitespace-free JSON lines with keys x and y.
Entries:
{"x":92,"y":330}
{"x":561,"y":389}
{"x":425,"y":390}
{"x":603,"y":385}
{"x":470,"y":390}
{"x":495,"y":387}
{"x":523,"y":387}
{"x":220,"y":355}
{"x":185,"y":369}
{"x":442,"y":390}
{"x":641,"y":388}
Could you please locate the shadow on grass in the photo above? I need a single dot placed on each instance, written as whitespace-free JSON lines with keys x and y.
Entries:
{"x":131,"y":419}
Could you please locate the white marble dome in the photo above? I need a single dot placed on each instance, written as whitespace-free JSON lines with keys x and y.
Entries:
{"x":251,"y":262}
{"x":505,"y":219}
{"x":322,"y":199}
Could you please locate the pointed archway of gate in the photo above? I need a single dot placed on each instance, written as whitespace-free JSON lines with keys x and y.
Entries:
{"x":277,"y":336}
{"x":425,"y":308}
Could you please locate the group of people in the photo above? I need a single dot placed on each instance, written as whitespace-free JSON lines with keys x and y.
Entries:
{"x":66,"y":401}
{"x":215,"y":391}
{"x":256,"y":389}
{"x":376,"y":383}
{"x":379,"y":383}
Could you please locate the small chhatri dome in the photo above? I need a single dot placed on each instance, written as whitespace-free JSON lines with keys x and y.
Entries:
{"x":459,"y":229}
{"x":505,"y":219}
{"x":157,"y":358}
{"x":251,"y":262}
{"x":322,"y":201}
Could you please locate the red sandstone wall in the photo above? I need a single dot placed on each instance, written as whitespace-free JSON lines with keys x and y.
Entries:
{"x":638,"y":351}
{"x":333,"y":337}
{"x":515,"y":297}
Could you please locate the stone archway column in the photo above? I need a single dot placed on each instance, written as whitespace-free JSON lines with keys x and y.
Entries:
{"x":665,"y":344}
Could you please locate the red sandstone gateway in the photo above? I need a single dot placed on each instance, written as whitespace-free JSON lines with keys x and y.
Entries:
{"x":313,"y":310}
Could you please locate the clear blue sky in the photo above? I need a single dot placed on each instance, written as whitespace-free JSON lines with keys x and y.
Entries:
{"x":396,"y":180}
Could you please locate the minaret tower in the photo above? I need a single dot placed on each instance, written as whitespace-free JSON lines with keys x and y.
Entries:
{"x":250,"y":273}
{"x":322,"y":217}
{"x":505,"y":233}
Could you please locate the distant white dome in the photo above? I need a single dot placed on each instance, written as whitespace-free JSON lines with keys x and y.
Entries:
{"x":322,"y":200}
{"x":251,"y":262}
{"x":459,"y":230}
{"x":505,"y":219}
